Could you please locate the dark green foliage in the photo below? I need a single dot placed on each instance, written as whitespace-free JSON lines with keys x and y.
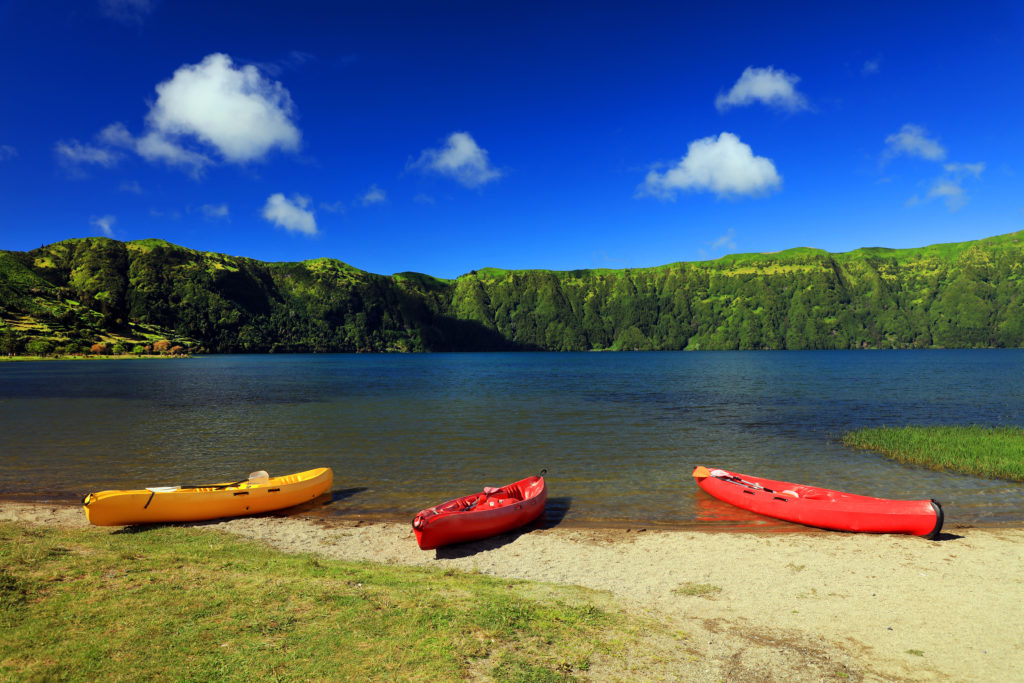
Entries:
{"x":948,"y":295}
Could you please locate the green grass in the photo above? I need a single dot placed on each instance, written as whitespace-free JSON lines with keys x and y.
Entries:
{"x":89,"y":356}
{"x":699,"y":590}
{"x":183,"y":604}
{"x":994,"y":452}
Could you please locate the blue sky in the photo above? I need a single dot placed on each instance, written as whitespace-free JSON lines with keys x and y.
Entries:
{"x":442,"y":137}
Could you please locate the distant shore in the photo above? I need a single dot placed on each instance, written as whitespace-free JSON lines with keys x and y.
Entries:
{"x":89,"y":356}
{"x":879,"y":606}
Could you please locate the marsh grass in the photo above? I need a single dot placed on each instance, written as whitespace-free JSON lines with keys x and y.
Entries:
{"x":700,"y":590}
{"x":174,"y":603}
{"x":995,"y":452}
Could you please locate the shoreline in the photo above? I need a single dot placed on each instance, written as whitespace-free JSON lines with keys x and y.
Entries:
{"x":90,"y":356}
{"x":803,"y":605}
{"x":756,"y":525}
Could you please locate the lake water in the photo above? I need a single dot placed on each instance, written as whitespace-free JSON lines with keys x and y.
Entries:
{"x":619,"y":433}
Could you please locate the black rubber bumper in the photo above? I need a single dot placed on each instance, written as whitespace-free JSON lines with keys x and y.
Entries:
{"x":938,"y":520}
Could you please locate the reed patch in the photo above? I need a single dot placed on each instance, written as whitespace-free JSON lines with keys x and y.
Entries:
{"x":993,"y":452}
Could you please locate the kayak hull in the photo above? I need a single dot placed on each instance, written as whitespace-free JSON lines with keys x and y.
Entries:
{"x":481,"y":515}
{"x":822,"y":508}
{"x":194,"y":504}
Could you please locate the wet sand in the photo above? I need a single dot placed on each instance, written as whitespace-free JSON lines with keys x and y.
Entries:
{"x":743,"y":605}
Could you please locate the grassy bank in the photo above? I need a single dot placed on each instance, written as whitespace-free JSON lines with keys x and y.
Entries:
{"x":995,"y":452}
{"x":120,"y":356}
{"x":171,"y":603}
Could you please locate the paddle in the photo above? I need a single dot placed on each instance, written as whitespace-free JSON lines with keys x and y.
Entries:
{"x":218,"y":487}
{"x":701,"y":472}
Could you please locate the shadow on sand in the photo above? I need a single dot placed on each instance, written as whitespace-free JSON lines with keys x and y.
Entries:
{"x":555,"y":511}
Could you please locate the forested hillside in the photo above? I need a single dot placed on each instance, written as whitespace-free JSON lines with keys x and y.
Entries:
{"x":67,"y":296}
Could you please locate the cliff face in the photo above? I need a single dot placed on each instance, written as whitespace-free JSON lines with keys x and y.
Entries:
{"x":77,"y":292}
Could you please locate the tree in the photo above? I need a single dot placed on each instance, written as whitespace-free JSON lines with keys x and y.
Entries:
{"x":10,"y":341}
{"x":161,"y":346}
{"x":39,"y":347}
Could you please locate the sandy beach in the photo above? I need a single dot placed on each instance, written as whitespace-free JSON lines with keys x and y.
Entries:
{"x":747,"y":606}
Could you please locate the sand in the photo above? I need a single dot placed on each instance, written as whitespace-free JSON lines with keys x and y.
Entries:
{"x":743,"y":606}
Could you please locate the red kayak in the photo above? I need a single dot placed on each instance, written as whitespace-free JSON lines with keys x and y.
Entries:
{"x":492,"y":512}
{"x":824,"y":508}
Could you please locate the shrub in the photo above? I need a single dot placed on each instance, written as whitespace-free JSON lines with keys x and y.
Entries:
{"x":75,"y":347}
{"x":39,"y":347}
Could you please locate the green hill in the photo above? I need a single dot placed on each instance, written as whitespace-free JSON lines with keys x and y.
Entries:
{"x":71,"y":294}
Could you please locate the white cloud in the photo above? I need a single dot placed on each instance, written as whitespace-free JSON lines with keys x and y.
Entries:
{"x":462,"y":159}
{"x":723,"y":165}
{"x":7,"y":152}
{"x":155,"y":147}
{"x":335,"y":207}
{"x":130,"y":186}
{"x":104,"y":223}
{"x":74,"y":153}
{"x":965,"y":170}
{"x":295,"y":59}
{"x":215,"y":210}
{"x":423,"y":198}
{"x":117,"y":135}
{"x":913,"y":140}
{"x":950,"y":191}
{"x":127,"y":11}
{"x":216,"y":106}
{"x":769,"y":86}
{"x":290,"y":214}
{"x":236,"y":110}
{"x":374,"y":195}
{"x":871,"y":67}
{"x":728,"y":240}
{"x":949,"y":187}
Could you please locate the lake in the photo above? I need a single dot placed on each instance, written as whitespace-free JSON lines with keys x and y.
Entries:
{"x":618,"y":433}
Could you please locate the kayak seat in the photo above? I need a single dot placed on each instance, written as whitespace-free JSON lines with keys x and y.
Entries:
{"x":512,"y":491}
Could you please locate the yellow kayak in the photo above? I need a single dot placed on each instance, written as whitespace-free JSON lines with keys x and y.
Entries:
{"x":257,"y":493}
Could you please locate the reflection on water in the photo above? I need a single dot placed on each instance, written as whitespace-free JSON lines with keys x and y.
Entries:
{"x":619,"y":433}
